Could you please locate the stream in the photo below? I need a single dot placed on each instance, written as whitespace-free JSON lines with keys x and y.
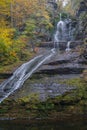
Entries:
{"x":22,"y":74}
{"x":53,"y":125}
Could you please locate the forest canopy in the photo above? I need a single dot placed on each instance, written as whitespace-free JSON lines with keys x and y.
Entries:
{"x":22,"y":21}
{"x":25,"y":23}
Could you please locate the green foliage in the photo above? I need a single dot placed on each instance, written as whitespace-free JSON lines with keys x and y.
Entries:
{"x":32,"y":98}
{"x":45,"y":106}
{"x":3,"y":110}
{"x":30,"y":28}
{"x":21,"y":27}
{"x":6,"y":41}
{"x":80,"y":91}
{"x":64,"y":15}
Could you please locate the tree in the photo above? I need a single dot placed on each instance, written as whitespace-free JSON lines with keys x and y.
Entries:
{"x":22,"y":19}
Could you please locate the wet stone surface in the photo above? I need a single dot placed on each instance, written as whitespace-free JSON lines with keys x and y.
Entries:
{"x":44,"y":86}
{"x":46,"y":80}
{"x":50,"y":90}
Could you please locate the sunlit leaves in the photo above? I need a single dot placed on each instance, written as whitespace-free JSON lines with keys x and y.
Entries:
{"x":21,"y":18}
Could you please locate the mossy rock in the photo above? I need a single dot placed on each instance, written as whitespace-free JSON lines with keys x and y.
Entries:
{"x":85,"y":75}
{"x":28,"y":101}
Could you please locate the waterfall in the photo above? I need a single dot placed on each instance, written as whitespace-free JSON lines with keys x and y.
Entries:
{"x":22,"y":74}
{"x":60,"y":32}
{"x":68,"y":46}
{"x":64,"y":32}
{"x":27,"y":69}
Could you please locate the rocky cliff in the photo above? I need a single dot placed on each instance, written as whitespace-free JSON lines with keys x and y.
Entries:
{"x":81,"y":14}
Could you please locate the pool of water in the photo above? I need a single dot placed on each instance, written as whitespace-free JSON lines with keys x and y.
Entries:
{"x":40,"y":125}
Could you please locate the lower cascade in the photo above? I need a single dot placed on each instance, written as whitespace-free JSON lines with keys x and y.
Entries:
{"x":22,"y":74}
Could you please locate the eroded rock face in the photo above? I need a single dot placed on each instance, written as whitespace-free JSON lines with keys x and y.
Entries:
{"x":82,"y":8}
{"x":61,"y":45}
{"x":85,"y":54}
{"x":81,"y":14}
{"x":5,"y":75}
{"x":65,"y":63}
{"x":45,"y":81}
{"x":85,"y":75}
{"x":52,"y":4}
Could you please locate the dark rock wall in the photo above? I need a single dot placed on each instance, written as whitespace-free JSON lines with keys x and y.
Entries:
{"x":81,"y":15}
{"x":82,"y":8}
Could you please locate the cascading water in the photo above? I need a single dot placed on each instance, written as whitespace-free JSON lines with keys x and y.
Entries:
{"x":59,"y":35}
{"x":26,"y":70}
{"x":22,"y":74}
{"x":68,"y":46}
{"x":64,"y":32}
{"x":60,"y":32}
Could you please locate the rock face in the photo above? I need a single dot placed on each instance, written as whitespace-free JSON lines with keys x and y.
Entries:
{"x":5,"y":75}
{"x":82,"y":8}
{"x":85,"y":75}
{"x":67,"y":63}
{"x":44,"y":82}
{"x":81,"y":14}
{"x":61,"y":45}
{"x":52,"y":4}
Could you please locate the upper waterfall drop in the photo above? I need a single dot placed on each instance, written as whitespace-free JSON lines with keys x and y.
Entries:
{"x":64,"y":31}
{"x":59,"y":35}
{"x":60,"y":32}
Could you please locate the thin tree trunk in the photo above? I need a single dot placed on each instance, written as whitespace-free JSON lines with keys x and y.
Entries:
{"x":11,"y":14}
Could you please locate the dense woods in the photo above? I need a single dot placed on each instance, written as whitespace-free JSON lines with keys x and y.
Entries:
{"x":22,"y":23}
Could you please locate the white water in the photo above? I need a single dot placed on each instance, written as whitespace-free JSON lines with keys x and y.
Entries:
{"x":68,"y":46}
{"x":59,"y":35}
{"x":64,"y":33}
{"x":22,"y":74}
{"x":60,"y":32}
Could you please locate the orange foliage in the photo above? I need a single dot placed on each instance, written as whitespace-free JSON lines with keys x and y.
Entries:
{"x":36,"y":49}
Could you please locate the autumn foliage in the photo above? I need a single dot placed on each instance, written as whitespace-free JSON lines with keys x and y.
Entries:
{"x":22,"y":22}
